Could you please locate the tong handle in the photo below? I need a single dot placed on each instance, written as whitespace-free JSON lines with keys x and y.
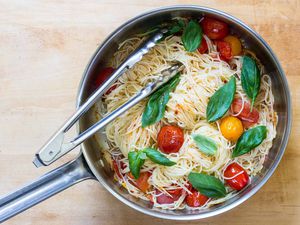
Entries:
{"x":55,"y":148}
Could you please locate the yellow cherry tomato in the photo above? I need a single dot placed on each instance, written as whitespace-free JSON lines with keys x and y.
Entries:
{"x":235,"y":44}
{"x":231,"y":128}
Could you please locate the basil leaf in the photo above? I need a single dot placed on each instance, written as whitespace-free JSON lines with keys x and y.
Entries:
{"x":136,"y":161}
{"x":177,"y":26}
{"x":192,"y":36}
{"x":181,"y":23}
{"x":249,"y":140}
{"x":209,"y":186}
{"x":250,"y":78}
{"x":156,"y":106}
{"x":142,"y":155}
{"x":157,"y":157}
{"x":221,"y":100}
{"x":205,"y":144}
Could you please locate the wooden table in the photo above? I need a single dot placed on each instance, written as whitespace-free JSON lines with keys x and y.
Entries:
{"x":45,"y":46}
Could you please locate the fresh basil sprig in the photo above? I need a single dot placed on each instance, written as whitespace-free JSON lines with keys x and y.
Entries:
{"x":192,"y":36}
{"x":156,"y":157}
{"x":221,"y":100}
{"x":207,"y":185}
{"x":137,"y":160}
{"x":250,"y":78}
{"x":249,"y":140}
{"x":156,"y":106}
{"x":205,"y":144}
{"x":175,"y":27}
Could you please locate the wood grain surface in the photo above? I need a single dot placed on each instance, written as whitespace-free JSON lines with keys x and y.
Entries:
{"x":44,"y":48}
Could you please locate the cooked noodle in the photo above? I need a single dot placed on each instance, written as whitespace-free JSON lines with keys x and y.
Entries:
{"x":202,"y":76}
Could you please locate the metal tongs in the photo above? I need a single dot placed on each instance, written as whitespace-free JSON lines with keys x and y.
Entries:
{"x":56,"y":147}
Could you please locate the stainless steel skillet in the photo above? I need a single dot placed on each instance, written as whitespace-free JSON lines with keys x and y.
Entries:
{"x":88,"y":166}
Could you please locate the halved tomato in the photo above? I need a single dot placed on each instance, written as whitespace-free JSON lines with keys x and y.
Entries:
{"x":224,"y":49}
{"x":203,"y":46}
{"x":116,"y":169}
{"x":247,"y":116}
{"x":142,"y":182}
{"x":166,"y":199}
{"x":195,"y":199}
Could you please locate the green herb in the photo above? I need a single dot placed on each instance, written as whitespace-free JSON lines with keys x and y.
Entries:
{"x":206,"y":145}
{"x":221,"y":100}
{"x":157,"y":157}
{"x":192,"y":36}
{"x":157,"y":102}
{"x":175,"y":27}
{"x":209,"y":186}
{"x":250,"y":78}
{"x":136,"y":161}
{"x":249,"y":140}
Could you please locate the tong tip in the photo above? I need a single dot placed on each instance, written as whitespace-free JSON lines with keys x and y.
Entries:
{"x":37,"y":162}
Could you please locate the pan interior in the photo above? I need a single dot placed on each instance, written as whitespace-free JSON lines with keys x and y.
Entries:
{"x":93,"y":148}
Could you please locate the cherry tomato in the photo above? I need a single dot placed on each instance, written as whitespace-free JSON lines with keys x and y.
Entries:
{"x":195,"y":199}
{"x":166,"y":199}
{"x":231,"y":128}
{"x":225,"y":50}
{"x":248,"y":118}
{"x":203,"y":46}
{"x":189,"y":186}
{"x":235,"y":44}
{"x":214,"y":29}
{"x":142,"y":182}
{"x":170,"y":139}
{"x":113,"y":87}
{"x":238,"y":182}
{"x":116,"y":169}
{"x":102,"y":76}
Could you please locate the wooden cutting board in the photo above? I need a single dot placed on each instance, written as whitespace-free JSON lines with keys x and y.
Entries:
{"x":45,"y":46}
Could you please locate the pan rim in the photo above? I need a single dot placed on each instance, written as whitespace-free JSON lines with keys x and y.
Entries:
{"x":285,"y":135}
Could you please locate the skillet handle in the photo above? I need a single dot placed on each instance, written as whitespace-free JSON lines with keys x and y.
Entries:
{"x":46,"y":186}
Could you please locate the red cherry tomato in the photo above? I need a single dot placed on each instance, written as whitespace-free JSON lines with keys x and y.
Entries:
{"x":225,"y":50}
{"x":248,"y":118}
{"x":189,"y":186}
{"x":116,"y":169}
{"x":214,"y":29}
{"x":238,"y":182}
{"x":166,"y":199}
{"x":113,"y":87}
{"x":203,"y":46}
{"x":170,"y":139}
{"x":102,"y":76}
{"x":142,"y":182}
{"x":195,"y":199}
